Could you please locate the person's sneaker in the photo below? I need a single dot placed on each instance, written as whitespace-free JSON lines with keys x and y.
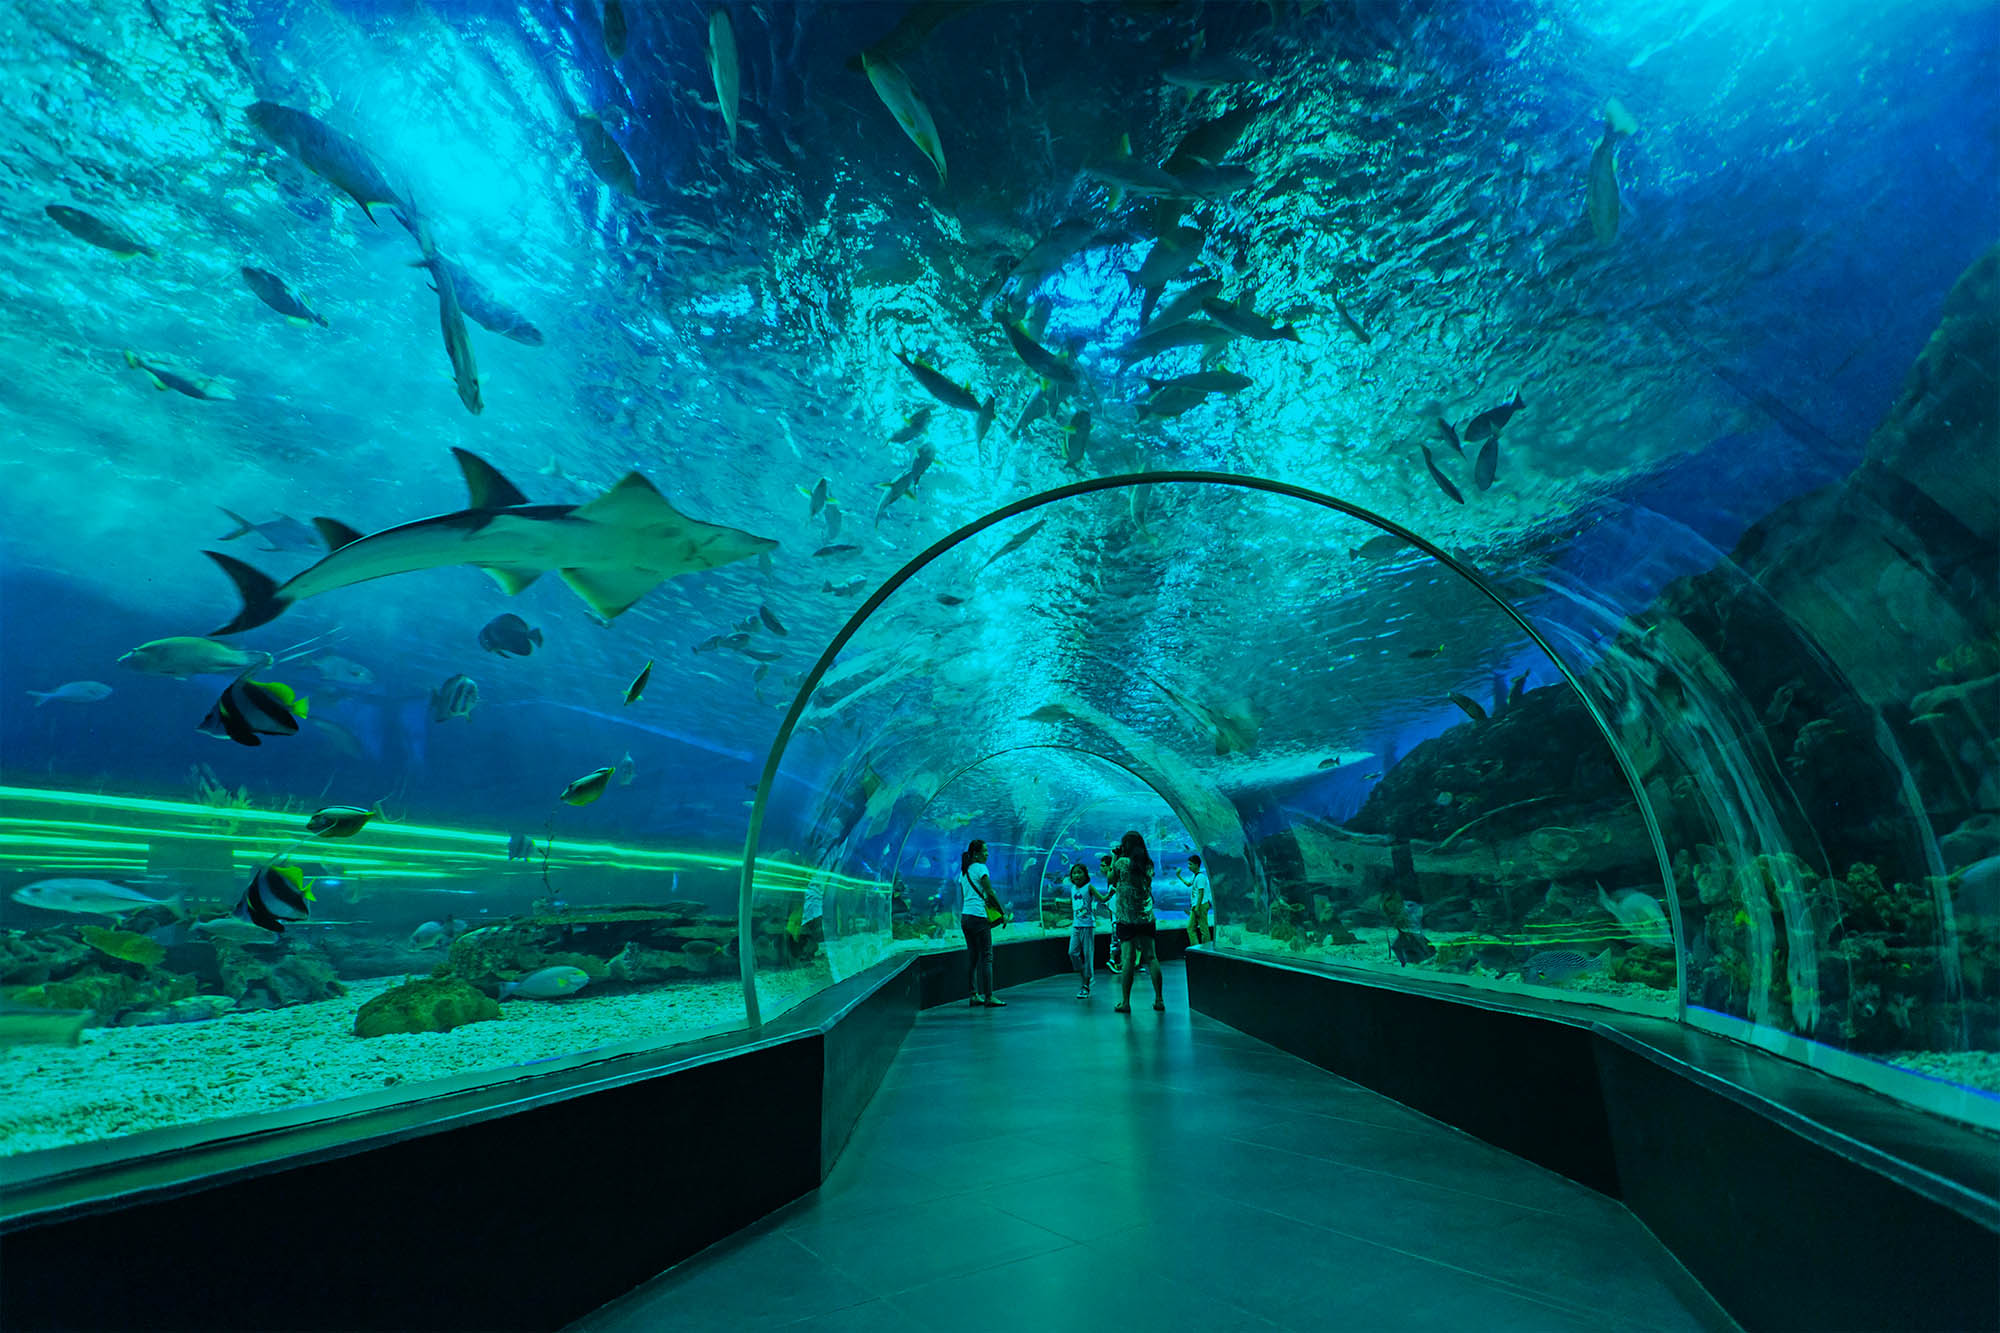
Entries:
{"x":975,"y":1003}
{"x":992,"y":1003}
{"x":1083,"y":994}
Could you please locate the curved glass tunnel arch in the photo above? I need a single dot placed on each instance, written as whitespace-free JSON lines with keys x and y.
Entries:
{"x":1080,"y":712}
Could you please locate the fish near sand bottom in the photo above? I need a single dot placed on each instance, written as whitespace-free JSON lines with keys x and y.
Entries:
{"x":551,"y":983}
{"x":25,"y":1025}
{"x":1556,"y":967}
{"x":611,"y":551}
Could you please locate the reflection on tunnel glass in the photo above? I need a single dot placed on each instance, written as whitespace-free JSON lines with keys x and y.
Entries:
{"x":418,"y":538}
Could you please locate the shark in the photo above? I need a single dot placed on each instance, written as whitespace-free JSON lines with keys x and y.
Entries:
{"x":611,"y":551}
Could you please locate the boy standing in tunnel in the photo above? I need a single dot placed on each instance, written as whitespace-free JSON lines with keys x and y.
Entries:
{"x":1199,"y":906}
{"x":1083,"y":926}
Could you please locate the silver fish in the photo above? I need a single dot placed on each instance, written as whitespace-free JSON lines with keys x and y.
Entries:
{"x":92,"y":897}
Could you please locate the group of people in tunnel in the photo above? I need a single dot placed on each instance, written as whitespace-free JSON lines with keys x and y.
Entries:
{"x":1128,"y":877}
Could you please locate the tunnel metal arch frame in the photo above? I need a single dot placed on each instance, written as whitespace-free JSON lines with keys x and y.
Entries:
{"x":902,"y":844}
{"x":746,"y":946}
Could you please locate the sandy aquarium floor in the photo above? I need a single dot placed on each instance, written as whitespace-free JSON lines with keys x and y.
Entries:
{"x":123,"y":1080}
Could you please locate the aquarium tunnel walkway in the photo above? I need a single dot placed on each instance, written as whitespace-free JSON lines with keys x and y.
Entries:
{"x":1055,"y":1165}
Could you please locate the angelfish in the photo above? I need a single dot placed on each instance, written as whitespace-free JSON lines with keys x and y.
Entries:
{"x":894,"y":88}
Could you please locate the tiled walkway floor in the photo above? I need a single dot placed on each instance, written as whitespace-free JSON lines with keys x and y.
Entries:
{"x":1054,"y":1166}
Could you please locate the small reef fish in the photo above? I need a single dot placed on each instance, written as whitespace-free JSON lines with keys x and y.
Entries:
{"x":1601,"y":190}
{"x":276,"y":894}
{"x":942,"y":387}
{"x":91,"y":897}
{"x":125,"y":945}
{"x":840,"y":549}
{"x":724,"y":71}
{"x":913,"y":425}
{"x":615,"y":31}
{"x":25,"y":1025}
{"x":551,"y":983}
{"x":234,"y":929}
{"x":588,"y":787}
{"x":1426,"y":654}
{"x":1210,"y":72}
{"x":1467,"y":706}
{"x":451,"y":322}
{"x":250,"y":709}
{"x":1186,"y":304}
{"x":433,"y":933}
{"x":638,"y":685}
{"x":73,"y":692}
{"x":819,"y":497}
{"x":1184,"y":333}
{"x":1487,"y":464}
{"x":894,"y":88}
{"x":456,"y":698}
{"x":1171,"y":401}
{"x":626,"y":770}
{"x":509,"y":636}
{"x":1211,"y":141}
{"x":1076,"y":438}
{"x":204,"y":390}
{"x":601,"y":152}
{"x":1380,"y":548}
{"x":1017,"y":541}
{"x":341,"y":671}
{"x":1449,"y":436}
{"x":772,"y":623}
{"x":1127,"y":175}
{"x":327,"y":153}
{"x":283,"y":533}
{"x":1489,"y":423}
{"x":269,"y":288}
{"x":339,"y":821}
{"x":1410,"y":948}
{"x":519,"y":847}
{"x":1171,"y":256}
{"x":185,"y":656}
{"x":1554,"y":967}
{"x":96,"y":231}
{"x":1443,"y":482}
{"x":846,"y":588}
{"x":1640,"y":913}
{"x":1204,"y":381}
{"x":1037,"y":357}
{"x":1239,"y":319}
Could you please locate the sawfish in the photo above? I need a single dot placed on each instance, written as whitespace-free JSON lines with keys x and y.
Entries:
{"x":611,"y":551}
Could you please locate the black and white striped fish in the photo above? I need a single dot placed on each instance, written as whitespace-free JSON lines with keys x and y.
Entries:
{"x":252,"y":708}
{"x":276,"y":894}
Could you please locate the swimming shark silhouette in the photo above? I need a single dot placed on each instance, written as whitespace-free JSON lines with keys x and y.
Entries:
{"x":611,"y":551}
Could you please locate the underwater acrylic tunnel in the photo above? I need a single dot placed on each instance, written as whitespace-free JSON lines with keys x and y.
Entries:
{"x":516,"y":594}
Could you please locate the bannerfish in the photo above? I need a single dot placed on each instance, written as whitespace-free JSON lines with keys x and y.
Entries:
{"x":588,"y":787}
{"x":897,"y":93}
{"x":456,"y":698}
{"x":611,"y":551}
{"x":626,"y":770}
{"x":283,"y":533}
{"x":185,"y":656}
{"x":30,"y":1025}
{"x":339,"y":821}
{"x":250,"y":709}
{"x":1467,"y":706}
{"x":1553,"y":967}
{"x":1601,"y":192}
{"x":551,"y":983}
{"x":95,"y":230}
{"x":1640,"y":913}
{"x":327,"y":153}
{"x":204,"y":389}
{"x":276,"y":894}
{"x":269,"y":288}
{"x":638,"y":685}
{"x":72,"y":692}
{"x":1488,"y":423}
{"x":91,"y":897}
{"x":509,"y":635}
{"x":724,"y":71}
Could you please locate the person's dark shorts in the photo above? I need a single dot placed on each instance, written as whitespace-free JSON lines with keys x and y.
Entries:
{"x":1136,"y":930}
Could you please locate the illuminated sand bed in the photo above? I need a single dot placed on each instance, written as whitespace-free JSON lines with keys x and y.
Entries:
{"x":125,"y":1080}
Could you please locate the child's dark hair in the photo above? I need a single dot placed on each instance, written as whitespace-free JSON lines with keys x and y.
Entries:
{"x":1195,"y":861}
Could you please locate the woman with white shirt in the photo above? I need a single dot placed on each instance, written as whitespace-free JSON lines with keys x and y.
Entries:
{"x":979,"y":910}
